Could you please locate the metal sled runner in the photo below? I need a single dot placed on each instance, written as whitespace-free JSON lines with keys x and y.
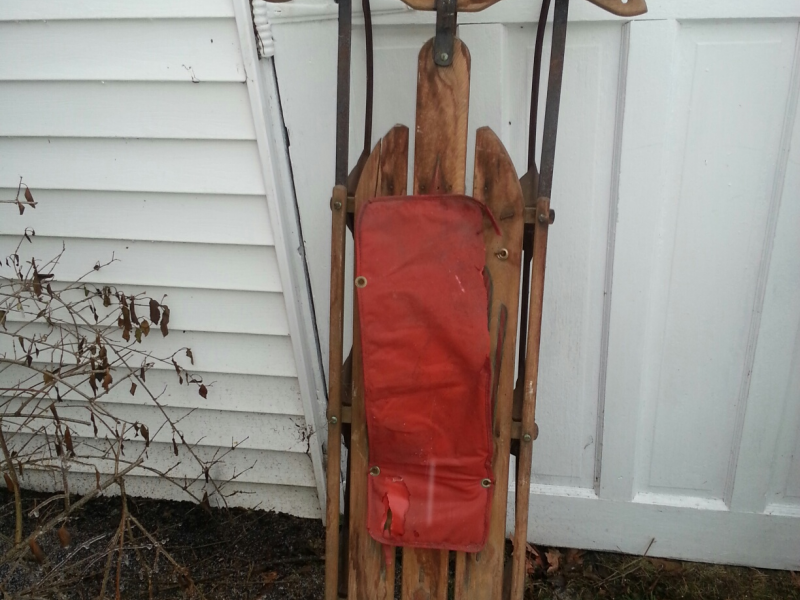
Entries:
{"x":427,"y":403}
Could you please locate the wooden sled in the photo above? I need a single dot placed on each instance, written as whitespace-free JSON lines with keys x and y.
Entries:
{"x":360,"y":558}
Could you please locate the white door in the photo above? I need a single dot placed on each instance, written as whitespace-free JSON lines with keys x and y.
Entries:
{"x":669,"y":404}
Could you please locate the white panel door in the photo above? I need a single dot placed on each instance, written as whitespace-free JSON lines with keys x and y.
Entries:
{"x":669,"y":403}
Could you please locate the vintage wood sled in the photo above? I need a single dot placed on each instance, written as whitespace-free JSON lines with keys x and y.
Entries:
{"x":427,"y":403}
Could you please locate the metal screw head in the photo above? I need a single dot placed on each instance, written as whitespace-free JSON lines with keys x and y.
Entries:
{"x":337,"y":205}
{"x":444,"y":56}
{"x":334,"y":420}
{"x":376,"y":470}
{"x":543,"y":219}
{"x":361,"y":281}
{"x":526,"y":437}
{"x":486,"y":483}
{"x":502,"y":254}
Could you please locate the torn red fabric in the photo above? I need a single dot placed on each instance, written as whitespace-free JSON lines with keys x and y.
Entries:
{"x":425,"y":346}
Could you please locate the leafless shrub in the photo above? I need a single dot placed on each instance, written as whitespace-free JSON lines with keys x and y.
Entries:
{"x":69,"y":353}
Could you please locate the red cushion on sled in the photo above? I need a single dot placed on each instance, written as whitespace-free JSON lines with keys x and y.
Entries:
{"x":425,"y":348}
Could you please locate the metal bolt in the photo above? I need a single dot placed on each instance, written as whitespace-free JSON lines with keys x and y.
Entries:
{"x":526,"y":437}
{"x":543,"y":218}
{"x":334,"y":420}
{"x":376,"y":470}
{"x":337,"y":205}
{"x":444,"y":56}
{"x":486,"y":483}
{"x":502,"y":254}
{"x":361,"y":281}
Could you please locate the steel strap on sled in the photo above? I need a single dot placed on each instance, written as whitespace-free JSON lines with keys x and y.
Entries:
{"x":411,"y":353}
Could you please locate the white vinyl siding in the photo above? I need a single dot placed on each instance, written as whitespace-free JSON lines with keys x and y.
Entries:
{"x":133,"y":126}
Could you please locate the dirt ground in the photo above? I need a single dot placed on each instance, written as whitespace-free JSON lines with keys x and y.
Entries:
{"x":255,"y":555}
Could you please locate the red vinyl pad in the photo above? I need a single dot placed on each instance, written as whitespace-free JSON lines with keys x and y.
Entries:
{"x":423,"y":312}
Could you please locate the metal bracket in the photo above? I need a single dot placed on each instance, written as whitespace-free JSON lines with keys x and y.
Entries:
{"x":444,"y":41}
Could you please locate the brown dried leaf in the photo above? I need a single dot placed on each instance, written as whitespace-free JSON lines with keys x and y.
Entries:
{"x":146,"y":435}
{"x":29,"y":197}
{"x":9,"y":482}
{"x":203,"y":390}
{"x":164,"y":320}
{"x":553,"y":560}
{"x":137,"y":333}
{"x":155,"y":315}
{"x":55,"y":414}
{"x":134,"y":318}
{"x":190,"y":355}
{"x":97,"y":478}
{"x":575,"y":556}
{"x":671,"y":567}
{"x":94,"y":423}
{"x":133,"y":388}
{"x":48,"y":377}
{"x":21,"y":207}
{"x":533,"y":559}
{"x":145,"y":327}
{"x":205,"y":504}
{"x":269,"y":577}
{"x":107,"y":380}
{"x":174,"y":446}
{"x":68,"y":441}
{"x":37,"y":551}
{"x":64,"y":538}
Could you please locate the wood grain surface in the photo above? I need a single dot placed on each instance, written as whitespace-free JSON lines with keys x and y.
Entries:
{"x":371,"y":570}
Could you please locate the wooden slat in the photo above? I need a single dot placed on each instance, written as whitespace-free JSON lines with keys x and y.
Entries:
{"x":192,"y":166}
{"x":371,"y":571}
{"x":333,"y":414}
{"x":529,"y":396}
{"x":479,"y":576}
{"x":440,"y":161}
{"x":441,"y":128}
{"x":463,"y":5}
{"x":122,"y":50}
{"x":425,"y":574}
{"x":179,"y":110}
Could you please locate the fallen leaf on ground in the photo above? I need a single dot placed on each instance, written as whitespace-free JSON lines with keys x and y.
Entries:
{"x":575,"y":556}
{"x":533,"y":559}
{"x":553,"y":559}
{"x":666,"y":566}
{"x":269,"y":577}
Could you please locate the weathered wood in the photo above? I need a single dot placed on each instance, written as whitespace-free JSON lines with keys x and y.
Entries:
{"x":622,"y":8}
{"x":334,"y":415}
{"x":463,"y":5}
{"x":529,"y":395}
{"x":440,"y":153}
{"x":440,"y":163}
{"x":479,"y":575}
{"x":371,"y":570}
{"x":424,"y":574}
